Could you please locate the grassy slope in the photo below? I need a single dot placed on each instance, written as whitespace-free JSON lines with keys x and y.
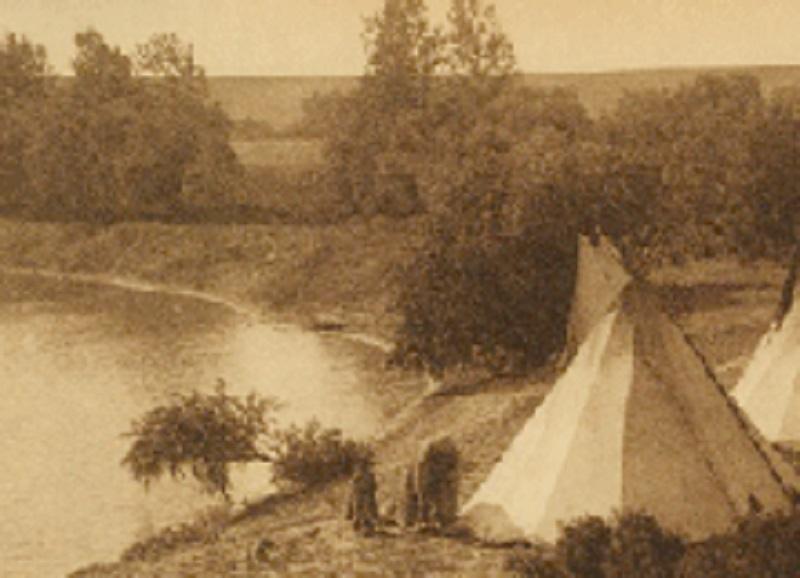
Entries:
{"x":349,"y":269}
{"x":293,"y":272}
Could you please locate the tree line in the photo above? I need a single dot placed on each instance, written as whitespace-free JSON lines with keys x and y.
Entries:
{"x":442,"y":125}
{"x":124,"y":137}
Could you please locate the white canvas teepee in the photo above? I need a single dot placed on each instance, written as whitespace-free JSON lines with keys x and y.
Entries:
{"x":635,"y":423}
{"x":769,"y":389}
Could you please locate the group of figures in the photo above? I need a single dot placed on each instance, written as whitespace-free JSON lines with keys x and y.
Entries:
{"x":431,"y":491}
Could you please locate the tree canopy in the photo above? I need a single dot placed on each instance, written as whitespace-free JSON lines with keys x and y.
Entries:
{"x":507,"y":174}
{"x":126,"y":136}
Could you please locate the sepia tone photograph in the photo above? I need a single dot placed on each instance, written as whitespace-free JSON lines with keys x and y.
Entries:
{"x":399,"y":288}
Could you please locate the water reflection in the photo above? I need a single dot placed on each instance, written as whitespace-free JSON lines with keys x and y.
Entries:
{"x":78,"y":362}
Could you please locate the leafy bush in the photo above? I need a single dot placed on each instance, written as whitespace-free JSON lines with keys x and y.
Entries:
{"x":642,"y":548}
{"x":758,"y":546}
{"x":584,"y":546}
{"x":312,"y":456}
{"x":632,"y":546}
{"x":205,"y":433}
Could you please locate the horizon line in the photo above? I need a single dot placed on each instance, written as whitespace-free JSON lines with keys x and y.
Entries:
{"x":604,"y":71}
{"x":632,"y":70}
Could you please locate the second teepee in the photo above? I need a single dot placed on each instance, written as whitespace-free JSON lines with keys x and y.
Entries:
{"x":769,"y":389}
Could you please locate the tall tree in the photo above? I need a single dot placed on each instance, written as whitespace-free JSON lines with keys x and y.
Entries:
{"x":132,"y":136}
{"x":492,"y":287}
{"x":380,"y":129}
{"x":24,"y":80}
{"x":186,"y":140}
{"x":466,"y":169}
{"x":75,"y":156}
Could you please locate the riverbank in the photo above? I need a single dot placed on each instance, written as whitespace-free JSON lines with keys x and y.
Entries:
{"x":338,"y":280}
{"x":341,"y":276}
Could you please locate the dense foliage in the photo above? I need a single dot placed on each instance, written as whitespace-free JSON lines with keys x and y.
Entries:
{"x":635,"y":545}
{"x":500,"y":305}
{"x":128,"y":136}
{"x":759,"y":546}
{"x":204,"y":433}
{"x":23,"y":86}
{"x":704,"y":169}
{"x":312,"y":455}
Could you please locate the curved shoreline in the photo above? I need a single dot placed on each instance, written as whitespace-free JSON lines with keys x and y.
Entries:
{"x":136,"y":285}
{"x":142,"y":286}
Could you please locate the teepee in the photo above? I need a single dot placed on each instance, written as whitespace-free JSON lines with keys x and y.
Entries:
{"x":769,"y":389}
{"x":636,"y":423}
{"x":600,"y":277}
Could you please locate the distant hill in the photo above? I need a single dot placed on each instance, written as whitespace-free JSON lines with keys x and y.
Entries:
{"x":275,"y":99}
{"x":279,"y":100}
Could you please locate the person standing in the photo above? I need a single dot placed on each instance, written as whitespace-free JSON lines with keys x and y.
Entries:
{"x":363,"y":505}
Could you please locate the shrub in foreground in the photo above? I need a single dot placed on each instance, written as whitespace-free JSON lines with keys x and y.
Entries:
{"x":631,"y":545}
{"x":642,"y":548}
{"x":759,"y":546}
{"x":585,"y":546}
{"x":201,"y":434}
{"x":311,"y":456}
{"x":635,"y":546}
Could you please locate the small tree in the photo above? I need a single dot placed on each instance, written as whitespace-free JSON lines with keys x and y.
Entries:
{"x":185,"y":137}
{"x":204,"y":434}
{"x":501,"y":306}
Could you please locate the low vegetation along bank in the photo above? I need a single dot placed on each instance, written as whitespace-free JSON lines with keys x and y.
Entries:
{"x":340,"y":274}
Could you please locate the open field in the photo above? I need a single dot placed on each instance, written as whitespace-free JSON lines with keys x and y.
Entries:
{"x":279,"y":100}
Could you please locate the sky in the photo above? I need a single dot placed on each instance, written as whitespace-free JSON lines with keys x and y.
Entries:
{"x":323,"y":37}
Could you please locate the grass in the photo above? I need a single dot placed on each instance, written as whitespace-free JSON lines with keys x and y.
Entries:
{"x":292,"y":272}
{"x":723,"y":306}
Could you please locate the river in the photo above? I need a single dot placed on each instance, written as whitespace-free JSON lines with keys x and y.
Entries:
{"x":79,"y":361}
